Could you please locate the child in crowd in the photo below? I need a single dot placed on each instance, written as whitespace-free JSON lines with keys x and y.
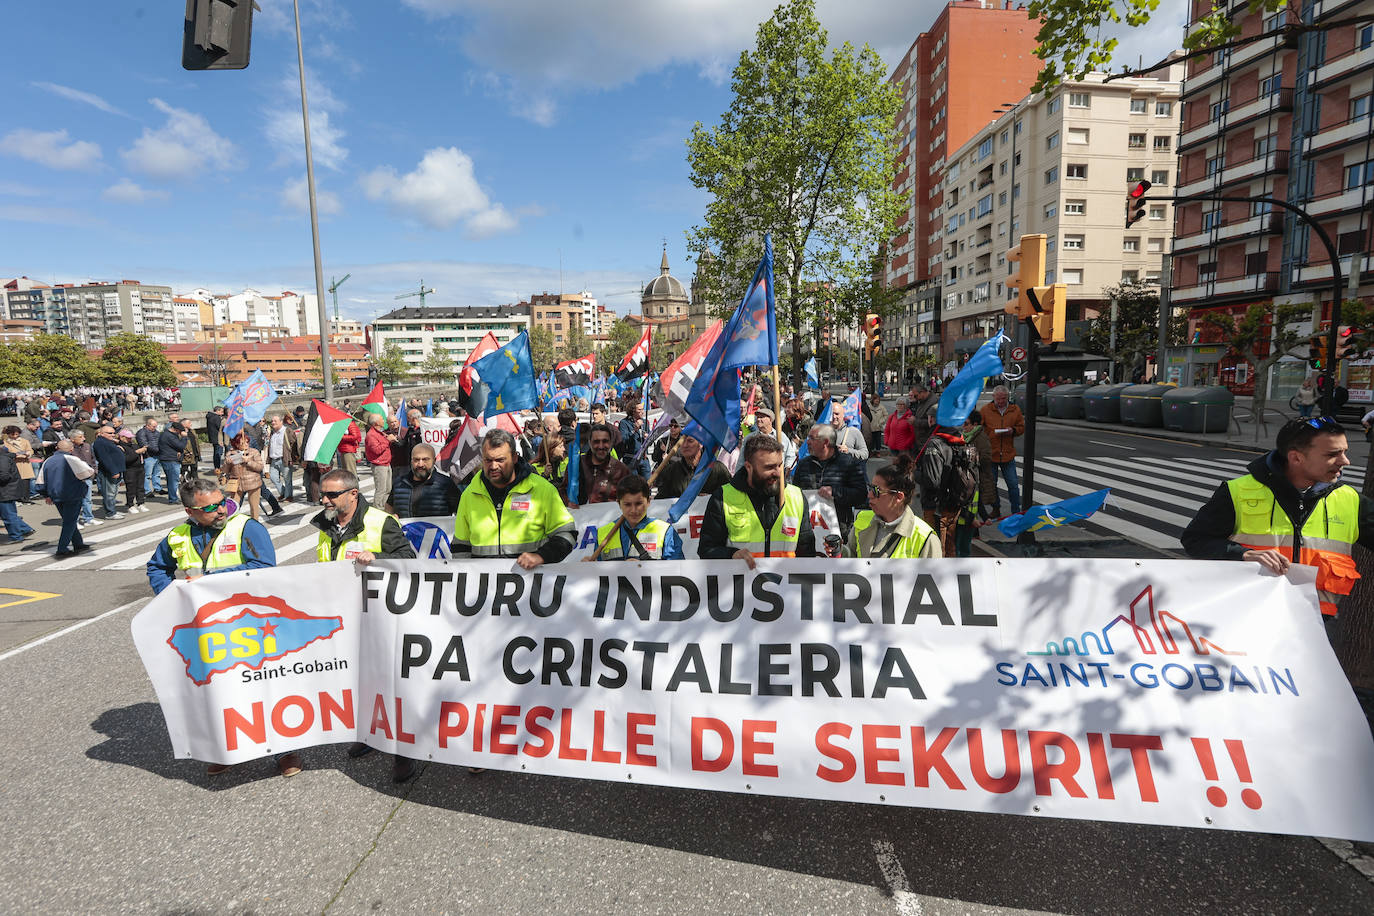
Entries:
{"x":639,"y":537}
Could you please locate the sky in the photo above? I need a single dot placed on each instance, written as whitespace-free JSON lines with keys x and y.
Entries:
{"x":492,"y":148}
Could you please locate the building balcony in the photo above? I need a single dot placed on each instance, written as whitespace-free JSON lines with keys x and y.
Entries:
{"x":1324,"y":8}
{"x":1226,"y":288}
{"x":1329,"y":138}
{"x":1264,"y":224}
{"x":1260,"y":106}
{"x":1308,"y":274}
{"x":1341,"y":67}
{"x":1245,"y":54}
{"x":1274,"y":162}
{"x":1346,"y":201}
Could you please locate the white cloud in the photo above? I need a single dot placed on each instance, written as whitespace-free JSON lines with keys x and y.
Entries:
{"x":181,"y":148}
{"x":53,"y":148}
{"x":287,"y":135}
{"x":76,"y":95}
{"x":127,"y":192}
{"x":296,"y":198}
{"x":441,"y":192}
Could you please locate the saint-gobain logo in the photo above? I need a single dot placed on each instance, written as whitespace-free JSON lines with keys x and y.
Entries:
{"x":245,"y":630}
{"x":429,"y":540}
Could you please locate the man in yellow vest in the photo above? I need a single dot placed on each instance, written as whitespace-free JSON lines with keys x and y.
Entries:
{"x":509,"y":511}
{"x":1291,"y":508}
{"x":743,"y":519}
{"x":350,"y":529}
{"x":212,"y":541}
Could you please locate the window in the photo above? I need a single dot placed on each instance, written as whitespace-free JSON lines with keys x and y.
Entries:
{"x":1155,"y":246}
{"x":985,"y":148}
{"x":1164,"y":109}
{"x":1002,"y":169}
{"x":1359,"y":107}
{"x":1130,"y":243}
{"x":1049,"y":244}
{"x":1159,"y":178}
{"x":1260,"y":207}
{"x":1076,"y":170}
{"x":1152,"y":276}
{"x":1002,"y":198}
{"x":1139,"y":106}
{"x":1051,"y":108}
{"x":1073,"y":277}
{"x":1156,"y":213}
{"x":1130,"y":276}
{"x":1276,"y":21}
{"x":1016,"y":192}
{"x":1161,"y":142}
{"x":1207,"y":272}
{"x":1075,"y":207}
{"x":1270,"y":85}
{"x":1078,"y":135}
{"x":1134,"y":175}
{"x":1211,"y":219}
{"x":1073,"y":243}
{"x":1052,"y":141}
{"x":1079,"y":99}
{"x":1005,"y":132}
{"x":1052,"y":175}
{"x":1365,"y":36}
{"x":1135,"y":141}
{"x":1049,"y":276}
{"x":1219,"y":109}
{"x":1265,"y":145}
{"x":1214,"y":165}
{"x":1358,"y":174}
{"x":1051,"y":211}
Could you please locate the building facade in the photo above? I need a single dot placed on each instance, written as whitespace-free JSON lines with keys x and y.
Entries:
{"x":417,"y":331}
{"x":1287,"y":117}
{"x":287,"y":361}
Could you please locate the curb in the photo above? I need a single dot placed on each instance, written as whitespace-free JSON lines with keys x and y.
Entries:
{"x":1156,"y":433}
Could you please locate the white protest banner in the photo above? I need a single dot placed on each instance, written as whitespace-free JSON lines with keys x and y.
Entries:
{"x":434,"y":431}
{"x":1183,"y":693}
{"x":430,"y":536}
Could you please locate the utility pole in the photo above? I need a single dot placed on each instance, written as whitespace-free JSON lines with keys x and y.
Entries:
{"x":326,"y":359}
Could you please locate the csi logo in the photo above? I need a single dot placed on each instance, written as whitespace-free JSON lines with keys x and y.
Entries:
{"x":245,"y":630}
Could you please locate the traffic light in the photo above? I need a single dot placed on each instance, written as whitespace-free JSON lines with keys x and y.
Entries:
{"x":1028,"y":271}
{"x":873,"y":333}
{"x":1346,"y":342}
{"x":1049,"y":321}
{"x":1135,"y":203}
{"x":218,"y":34}
{"x":1316,"y":351}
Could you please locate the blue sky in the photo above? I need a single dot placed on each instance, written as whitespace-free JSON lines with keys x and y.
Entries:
{"x":468,"y":142}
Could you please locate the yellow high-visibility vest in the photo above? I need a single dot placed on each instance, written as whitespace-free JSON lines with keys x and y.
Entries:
{"x":226,"y":549}
{"x":369,"y":539}
{"x":745,"y":531}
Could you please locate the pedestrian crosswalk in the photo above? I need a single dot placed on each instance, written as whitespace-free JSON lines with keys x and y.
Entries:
{"x":1152,"y":499}
{"x":129,"y":542}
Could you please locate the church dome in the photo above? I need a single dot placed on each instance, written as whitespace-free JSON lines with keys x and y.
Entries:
{"x":664,"y":296}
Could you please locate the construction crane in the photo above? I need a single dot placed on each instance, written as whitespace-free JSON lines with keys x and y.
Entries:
{"x":422,"y":293}
{"x":334,"y":291}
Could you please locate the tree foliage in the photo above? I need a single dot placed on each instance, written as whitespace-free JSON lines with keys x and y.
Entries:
{"x":52,"y":361}
{"x":1137,"y":327}
{"x":1267,"y":327}
{"x":132,"y":359}
{"x":623,"y":336}
{"x":1073,"y":37}
{"x":578,"y":344}
{"x":804,"y":152}
{"x":543,"y":351}
{"x":391,"y":364}
{"x":437,"y":366}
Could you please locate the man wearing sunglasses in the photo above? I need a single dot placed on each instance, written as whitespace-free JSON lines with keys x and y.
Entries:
{"x":210,"y":540}
{"x":1291,"y":508}
{"x":351,"y":528}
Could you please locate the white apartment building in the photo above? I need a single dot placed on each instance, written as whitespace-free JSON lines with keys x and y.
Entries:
{"x":458,"y":330}
{"x":297,"y":312}
{"x":185,"y":318}
{"x":1059,"y":165}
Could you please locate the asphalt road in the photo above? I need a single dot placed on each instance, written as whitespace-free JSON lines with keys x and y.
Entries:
{"x":100,"y":818}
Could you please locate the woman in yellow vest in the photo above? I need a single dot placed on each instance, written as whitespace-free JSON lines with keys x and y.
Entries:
{"x":888,"y":527}
{"x":552,"y":463}
{"x":638,"y":537}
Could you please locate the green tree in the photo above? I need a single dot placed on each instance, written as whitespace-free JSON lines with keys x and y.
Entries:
{"x":805,"y":152}
{"x":578,"y":344}
{"x":543,"y":351}
{"x":1073,"y":37}
{"x":1137,"y":328}
{"x":437,"y":366}
{"x":663,"y":351}
{"x":391,"y":365}
{"x":623,"y":336}
{"x":1262,"y":336}
{"x":58,"y":361}
{"x":132,"y":359}
{"x":16,"y":368}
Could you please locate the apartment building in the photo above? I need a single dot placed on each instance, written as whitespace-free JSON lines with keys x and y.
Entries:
{"x":1059,"y":165}
{"x":1288,"y":117}
{"x":284,"y":361}
{"x":458,"y":330}
{"x":976,"y":57}
{"x":548,"y":311}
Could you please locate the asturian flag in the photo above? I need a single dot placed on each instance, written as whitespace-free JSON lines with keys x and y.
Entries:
{"x":636,"y":362}
{"x":961,"y":394}
{"x":508,"y":375}
{"x":812,"y":379}
{"x":472,"y":396}
{"x":1054,"y":515}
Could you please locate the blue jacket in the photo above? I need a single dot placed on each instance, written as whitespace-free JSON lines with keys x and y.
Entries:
{"x":672,"y":543}
{"x":170,"y":446}
{"x":110,"y":456}
{"x":60,"y":483}
{"x":258,"y":553}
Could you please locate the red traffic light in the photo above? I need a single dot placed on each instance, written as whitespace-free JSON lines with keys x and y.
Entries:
{"x":1140,"y":188}
{"x":1135,"y":202}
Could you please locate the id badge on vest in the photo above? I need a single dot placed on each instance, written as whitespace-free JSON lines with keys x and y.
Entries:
{"x":520,"y":502}
{"x":790,"y":523}
{"x":353,"y":551}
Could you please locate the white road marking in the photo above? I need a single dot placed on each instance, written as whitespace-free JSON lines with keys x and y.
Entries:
{"x":908,"y":904}
{"x":1112,"y":445}
{"x":65,"y":630}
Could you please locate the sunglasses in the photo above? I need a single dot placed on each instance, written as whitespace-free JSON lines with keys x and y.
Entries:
{"x":879,"y":491}
{"x":212,"y":507}
{"x":335,"y":494}
{"x":1323,"y":423}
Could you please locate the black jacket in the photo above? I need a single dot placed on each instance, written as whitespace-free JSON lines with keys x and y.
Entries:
{"x":843,"y":474}
{"x":12,"y":487}
{"x":675,"y":476}
{"x":170,"y":446}
{"x":110,"y":456}
{"x":715,"y":537}
{"x":395,"y":545}
{"x":436,"y":496}
{"x":1207,"y":536}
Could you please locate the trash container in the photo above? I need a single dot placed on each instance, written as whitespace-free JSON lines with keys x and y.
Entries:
{"x":1198,"y":410}
{"x":1066,"y":402}
{"x":1041,"y":400}
{"x":1102,"y":403}
{"x":1142,"y":405}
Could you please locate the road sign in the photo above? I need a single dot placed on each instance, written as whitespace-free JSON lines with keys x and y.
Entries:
{"x":1018,"y":353}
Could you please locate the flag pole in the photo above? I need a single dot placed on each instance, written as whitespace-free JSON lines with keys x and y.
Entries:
{"x":672,"y":449}
{"x":777,"y":428}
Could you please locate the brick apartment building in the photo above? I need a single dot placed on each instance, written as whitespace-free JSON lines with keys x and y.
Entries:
{"x":286,"y":361}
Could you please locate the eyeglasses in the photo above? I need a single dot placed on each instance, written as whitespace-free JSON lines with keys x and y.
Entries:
{"x":879,"y":491}
{"x":335,"y":494}
{"x":212,"y":507}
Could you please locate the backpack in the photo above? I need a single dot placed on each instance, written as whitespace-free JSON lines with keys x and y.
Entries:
{"x":958,"y":480}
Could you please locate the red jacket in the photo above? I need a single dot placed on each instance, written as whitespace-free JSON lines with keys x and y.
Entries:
{"x":898,"y":434}
{"x":351,"y":440}
{"x":376,"y":446}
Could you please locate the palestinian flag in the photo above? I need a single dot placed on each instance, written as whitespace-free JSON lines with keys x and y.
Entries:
{"x":636,"y":362}
{"x":323,"y":429}
{"x":376,"y":402}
